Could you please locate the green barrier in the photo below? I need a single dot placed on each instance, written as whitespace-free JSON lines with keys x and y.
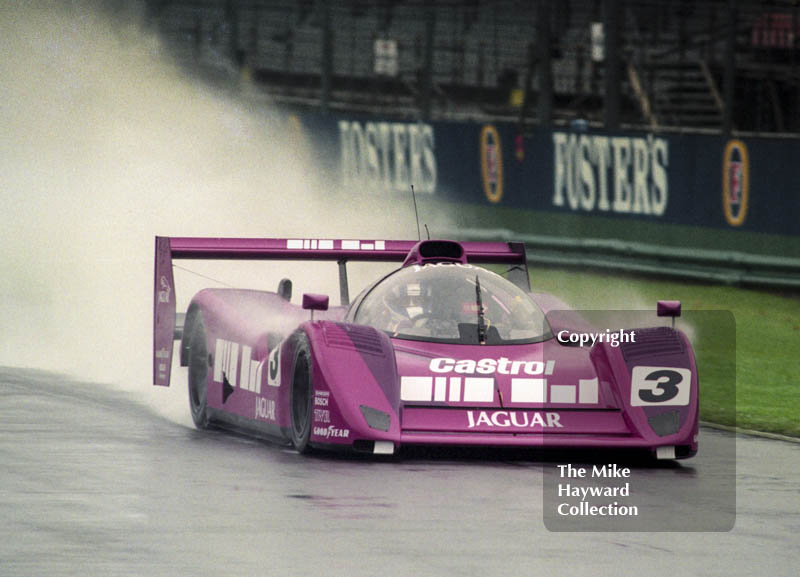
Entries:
{"x":729,"y":267}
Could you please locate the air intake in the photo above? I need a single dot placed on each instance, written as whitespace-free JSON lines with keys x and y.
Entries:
{"x":653,"y":341}
{"x":428,"y":251}
{"x":354,"y":338}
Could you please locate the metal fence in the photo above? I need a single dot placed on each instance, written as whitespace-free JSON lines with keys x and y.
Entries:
{"x":676,"y":63}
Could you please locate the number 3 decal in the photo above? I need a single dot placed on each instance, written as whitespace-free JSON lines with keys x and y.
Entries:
{"x":660,"y":386}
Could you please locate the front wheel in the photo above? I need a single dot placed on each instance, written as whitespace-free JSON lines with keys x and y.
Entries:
{"x":300,"y":396}
{"x":198,"y":374}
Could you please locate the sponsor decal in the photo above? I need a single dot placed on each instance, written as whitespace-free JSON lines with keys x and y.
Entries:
{"x":502,"y":366}
{"x":359,"y":245}
{"x":389,"y":156}
{"x":470,"y":308}
{"x":321,"y":244}
{"x":482,"y":389}
{"x":735,"y":182}
{"x":491,"y":163}
{"x":265,"y":409}
{"x":321,"y":398}
{"x":322,"y":416}
{"x":226,"y":363}
{"x":228,"y":357}
{"x":331,"y":432}
{"x":662,"y":386}
{"x":163,"y":294}
{"x":429,"y":266}
{"x":513,"y":419}
{"x":309,"y":244}
{"x":474,"y":390}
{"x":625,"y":175}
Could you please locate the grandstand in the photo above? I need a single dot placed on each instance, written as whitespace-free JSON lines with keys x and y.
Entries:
{"x":707,"y":64}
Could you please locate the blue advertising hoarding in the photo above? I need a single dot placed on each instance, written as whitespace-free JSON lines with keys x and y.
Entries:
{"x":748,"y":184}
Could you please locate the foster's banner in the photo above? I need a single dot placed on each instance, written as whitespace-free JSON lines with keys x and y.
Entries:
{"x":748,"y":184}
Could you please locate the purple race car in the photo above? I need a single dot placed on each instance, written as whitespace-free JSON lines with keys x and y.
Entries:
{"x":438,"y":352}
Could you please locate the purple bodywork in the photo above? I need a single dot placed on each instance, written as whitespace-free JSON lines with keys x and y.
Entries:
{"x":370,"y":391}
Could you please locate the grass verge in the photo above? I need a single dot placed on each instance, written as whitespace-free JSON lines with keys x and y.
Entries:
{"x":767,"y":336}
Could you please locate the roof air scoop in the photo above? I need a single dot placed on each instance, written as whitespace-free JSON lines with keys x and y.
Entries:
{"x":428,"y":251}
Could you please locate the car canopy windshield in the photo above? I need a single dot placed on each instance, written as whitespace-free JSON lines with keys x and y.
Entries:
{"x":452,"y":303}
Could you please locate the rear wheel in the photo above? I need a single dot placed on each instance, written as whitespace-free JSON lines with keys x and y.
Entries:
{"x":301,"y":395}
{"x":198,"y":374}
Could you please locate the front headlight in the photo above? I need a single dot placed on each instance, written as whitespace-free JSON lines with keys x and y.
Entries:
{"x":376,"y":419}
{"x":665,"y":423}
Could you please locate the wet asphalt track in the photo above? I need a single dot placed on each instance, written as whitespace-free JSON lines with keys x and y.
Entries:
{"x":93,"y":482}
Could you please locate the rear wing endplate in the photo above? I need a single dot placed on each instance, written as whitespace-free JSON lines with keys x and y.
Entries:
{"x":339,"y":250}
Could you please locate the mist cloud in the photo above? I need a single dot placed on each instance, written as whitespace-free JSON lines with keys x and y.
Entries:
{"x":105,"y":143}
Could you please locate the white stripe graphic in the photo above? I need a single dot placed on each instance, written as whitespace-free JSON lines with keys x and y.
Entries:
{"x":455,"y":389}
{"x":233,"y":362}
{"x":351,"y":245}
{"x":226,"y":355}
{"x":478,"y":389}
{"x":219,"y":354}
{"x":380,"y":245}
{"x":587,"y":391}
{"x":440,"y":389}
{"x":259,"y":367}
{"x":326,"y":245}
{"x":527,"y":390}
{"x":294,"y":243}
{"x":246,"y":353}
{"x":562,"y":393}
{"x":226,"y":366}
{"x":416,"y":388}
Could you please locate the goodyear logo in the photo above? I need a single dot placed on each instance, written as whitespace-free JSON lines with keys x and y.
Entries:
{"x":735,"y":182}
{"x":491,"y":164}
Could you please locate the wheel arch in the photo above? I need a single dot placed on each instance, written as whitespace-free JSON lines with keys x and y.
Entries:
{"x":300,"y":344}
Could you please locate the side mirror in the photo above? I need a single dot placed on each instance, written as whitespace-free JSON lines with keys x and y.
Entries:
{"x":669,"y":309}
{"x":313,"y":302}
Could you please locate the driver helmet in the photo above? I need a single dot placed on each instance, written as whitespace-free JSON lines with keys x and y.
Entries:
{"x":409,"y":299}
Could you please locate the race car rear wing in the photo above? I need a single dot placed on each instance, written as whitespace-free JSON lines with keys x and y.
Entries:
{"x":339,"y":250}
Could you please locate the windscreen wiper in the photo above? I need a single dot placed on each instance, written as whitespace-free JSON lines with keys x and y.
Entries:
{"x":481,"y":320}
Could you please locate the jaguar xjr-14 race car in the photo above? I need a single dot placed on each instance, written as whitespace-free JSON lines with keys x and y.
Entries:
{"x":440,"y":351}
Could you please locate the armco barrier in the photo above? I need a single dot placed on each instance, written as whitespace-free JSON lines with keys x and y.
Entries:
{"x":728,"y":267}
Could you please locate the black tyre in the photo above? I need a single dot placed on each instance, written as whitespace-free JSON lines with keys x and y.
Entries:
{"x":198,"y":373}
{"x":301,"y":395}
